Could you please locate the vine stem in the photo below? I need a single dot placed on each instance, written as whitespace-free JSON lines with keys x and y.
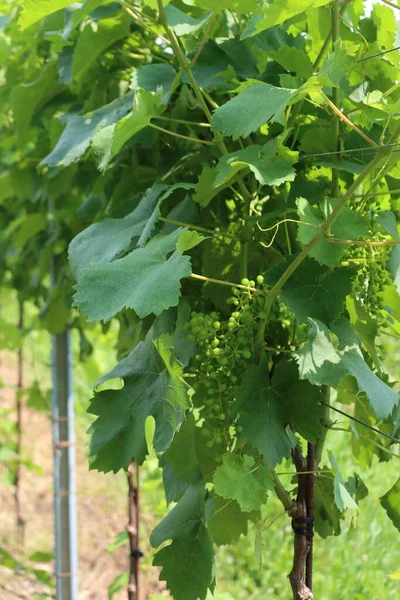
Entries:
{"x":205,"y":38}
{"x":391,"y":4}
{"x":179,"y":135}
{"x":346,"y":120}
{"x":138,"y":20}
{"x":133,"y":532}
{"x":376,"y":162}
{"x":335,"y":240}
{"x":229,"y":283}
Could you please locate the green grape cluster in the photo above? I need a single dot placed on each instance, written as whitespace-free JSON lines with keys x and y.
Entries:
{"x":372,"y":274}
{"x":225,"y":350}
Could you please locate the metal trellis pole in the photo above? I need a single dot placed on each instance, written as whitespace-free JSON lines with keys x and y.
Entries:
{"x":64,"y":469}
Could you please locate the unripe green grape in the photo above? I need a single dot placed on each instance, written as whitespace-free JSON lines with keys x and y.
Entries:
{"x":239,"y":428}
{"x":231,"y":325}
{"x":218,"y":439}
{"x":217,"y":351}
{"x":235,"y":315}
{"x":236,"y":302}
{"x":216,"y":324}
{"x":245,"y":281}
{"x":215,"y":343}
{"x":222,"y":417}
{"x":260,"y":279}
{"x":210,"y":444}
{"x":252,"y":283}
{"x":246,"y":354}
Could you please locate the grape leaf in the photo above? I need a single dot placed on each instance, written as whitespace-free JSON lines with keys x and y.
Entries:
{"x":34,"y":10}
{"x":322,"y":364}
{"x":238,"y":479}
{"x":151,"y":388}
{"x":189,"y":240}
{"x":147,"y":280}
{"x":183,"y":446}
{"x":27,"y":97}
{"x":89,"y":246}
{"x":254,"y":106}
{"x":187,"y":564}
{"x":301,"y":400}
{"x":80,"y":130}
{"x":153,"y":78}
{"x":240,"y":6}
{"x":93,"y":42}
{"x":272,"y":164}
{"x":326,"y":513}
{"x":277,"y":13}
{"x":339,"y":63}
{"x":293,"y":60}
{"x":182,"y":23}
{"x":391,"y":503}
{"x":228,"y":522}
{"x":348,"y":225}
{"x":262,"y":415}
{"x":107,"y":142}
{"x":314,"y":291}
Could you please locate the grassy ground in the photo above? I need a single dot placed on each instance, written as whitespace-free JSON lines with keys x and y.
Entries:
{"x":354,"y":566}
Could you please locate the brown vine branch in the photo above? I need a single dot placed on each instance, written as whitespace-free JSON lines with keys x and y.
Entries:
{"x":310,"y":488}
{"x":132,"y":529}
{"x":301,"y":542}
{"x":392,"y":4}
{"x":346,"y":120}
{"x":204,"y":40}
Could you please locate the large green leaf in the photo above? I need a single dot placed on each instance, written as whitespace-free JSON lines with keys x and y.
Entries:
{"x":34,"y":10}
{"x":301,"y":400}
{"x":263,"y":416}
{"x":254,"y":106}
{"x":102,"y":242}
{"x":147,"y":280}
{"x":187,"y":564}
{"x":238,"y":479}
{"x":26,"y":98}
{"x":276,"y":13}
{"x":321,"y":363}
{"x":391,"y":503}
{"x":108,"y":142}
{"x":80,"y":130}
{"x":349,"y":225}
{"x":93,"y":41}
{"x":240,"y":6}
{"x":151,"y":388}
{"x":272,"y":164}
{"x":314,"y":291}
{"x":154,"y":78}
{"x":293,"y":60}
{"x":182,"y":23}
{"x":228,"y":522}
